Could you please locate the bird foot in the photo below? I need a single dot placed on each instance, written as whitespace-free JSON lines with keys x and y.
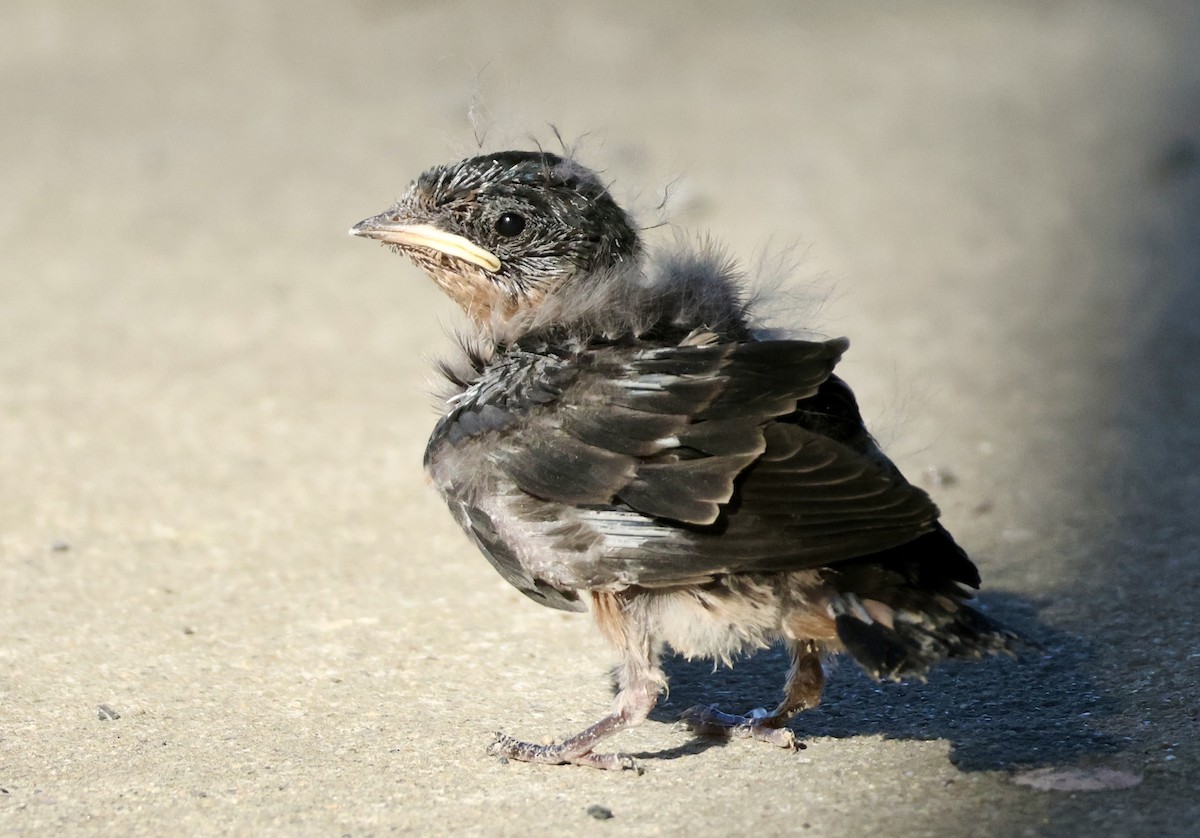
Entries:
{"x":757,"y":724}
{"x":504,"y":745}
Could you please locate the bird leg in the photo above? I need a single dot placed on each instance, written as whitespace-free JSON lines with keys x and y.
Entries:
{"x":805,"y":681}
{"x":640,"y":681}
{"x":632,"y":706}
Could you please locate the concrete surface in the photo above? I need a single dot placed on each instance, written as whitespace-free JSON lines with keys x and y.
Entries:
{"x":213,"y":407}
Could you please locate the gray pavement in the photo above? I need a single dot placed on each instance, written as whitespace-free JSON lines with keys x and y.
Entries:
{"x":213,"y":406}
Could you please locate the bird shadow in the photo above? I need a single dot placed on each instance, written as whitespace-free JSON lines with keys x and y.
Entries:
{"x":1041,"y":709}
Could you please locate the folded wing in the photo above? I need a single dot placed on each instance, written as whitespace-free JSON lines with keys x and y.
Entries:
{"x":665,"y":465}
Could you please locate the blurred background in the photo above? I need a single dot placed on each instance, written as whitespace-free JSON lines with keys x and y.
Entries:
{"x":213,"y":403}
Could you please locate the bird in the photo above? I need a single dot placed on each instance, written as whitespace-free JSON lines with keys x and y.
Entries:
{"x":622,"y":435}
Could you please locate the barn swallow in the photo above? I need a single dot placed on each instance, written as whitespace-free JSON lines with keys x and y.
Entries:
{"x":621,"y":435}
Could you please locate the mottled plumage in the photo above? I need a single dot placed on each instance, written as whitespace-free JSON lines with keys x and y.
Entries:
{"x":620,"y":435}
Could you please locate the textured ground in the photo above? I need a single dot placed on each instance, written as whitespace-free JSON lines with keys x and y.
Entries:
{"x":213,"y":407}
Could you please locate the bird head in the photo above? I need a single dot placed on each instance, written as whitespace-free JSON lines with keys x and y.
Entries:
{"x":500,"y":232}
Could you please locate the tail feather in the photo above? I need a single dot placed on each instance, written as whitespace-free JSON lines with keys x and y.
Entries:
{"x":914,"y":642}
{"x":899,"y":612}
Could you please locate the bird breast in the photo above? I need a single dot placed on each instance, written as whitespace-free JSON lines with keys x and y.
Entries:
{"x":737,"y":614}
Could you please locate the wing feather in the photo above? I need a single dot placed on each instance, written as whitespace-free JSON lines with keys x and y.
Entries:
{"x":663,"y":465}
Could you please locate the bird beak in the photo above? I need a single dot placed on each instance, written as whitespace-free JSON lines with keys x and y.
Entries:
{"x":426,"y":235}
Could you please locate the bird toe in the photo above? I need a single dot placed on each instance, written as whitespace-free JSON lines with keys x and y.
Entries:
{"x":708,"y":720}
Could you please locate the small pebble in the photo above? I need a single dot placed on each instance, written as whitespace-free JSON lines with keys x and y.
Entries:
{"x":1176,"y":160}
{"x":106,"y":713}
{"x":938,"y":476}
{"x":600,"y":813}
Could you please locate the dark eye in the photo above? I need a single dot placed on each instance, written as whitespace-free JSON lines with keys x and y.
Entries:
{"x":510,"y":224}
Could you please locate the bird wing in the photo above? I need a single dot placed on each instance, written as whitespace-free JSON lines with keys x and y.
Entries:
{"x":664,"y":465}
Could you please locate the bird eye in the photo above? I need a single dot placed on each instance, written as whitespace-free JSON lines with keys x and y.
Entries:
{"x":510,"y":224}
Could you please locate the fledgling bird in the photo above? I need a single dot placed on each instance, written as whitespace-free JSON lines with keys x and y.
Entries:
{"x":620,"y":435}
